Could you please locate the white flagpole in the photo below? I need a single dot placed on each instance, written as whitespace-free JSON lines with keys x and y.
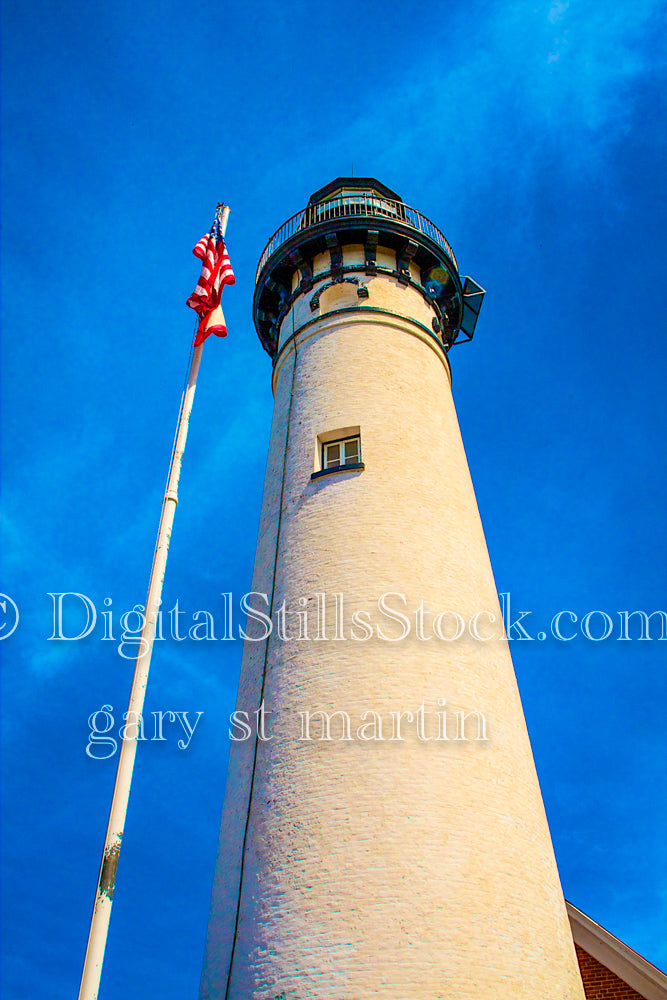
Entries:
{"x":99,"y":924}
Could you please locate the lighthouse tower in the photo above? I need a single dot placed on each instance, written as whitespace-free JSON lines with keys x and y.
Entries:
{"x":383,"y":834}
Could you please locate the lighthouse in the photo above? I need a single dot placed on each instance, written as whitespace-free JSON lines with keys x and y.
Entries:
{"x":383,"y":834}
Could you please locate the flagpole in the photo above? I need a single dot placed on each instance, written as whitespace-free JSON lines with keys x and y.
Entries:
{"x":99,"y":924}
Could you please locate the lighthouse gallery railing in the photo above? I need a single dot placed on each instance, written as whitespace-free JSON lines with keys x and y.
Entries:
{"x":360,"y":205}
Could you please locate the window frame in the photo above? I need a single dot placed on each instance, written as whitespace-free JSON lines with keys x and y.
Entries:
{"x":342,"y":466}
{"x":340,"y":442}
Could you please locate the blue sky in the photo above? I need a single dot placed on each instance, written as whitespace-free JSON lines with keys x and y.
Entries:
{"x":533,"y":134}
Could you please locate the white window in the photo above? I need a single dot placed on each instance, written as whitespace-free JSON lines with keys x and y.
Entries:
{"x":338,"y":453}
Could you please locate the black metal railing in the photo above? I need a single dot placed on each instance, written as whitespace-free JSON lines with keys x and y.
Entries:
{"x":369,"y":206}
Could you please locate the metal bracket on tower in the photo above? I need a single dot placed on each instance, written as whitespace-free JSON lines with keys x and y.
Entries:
{"x":371,"y":250}
{"x":273,"y":327}
{"x":336,"y":253}
{"x":279,"y":289}
{"x":403,"y":258}
{"x":297,"y":261}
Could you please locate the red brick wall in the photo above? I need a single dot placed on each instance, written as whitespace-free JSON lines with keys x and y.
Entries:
{"x":600,"y":983}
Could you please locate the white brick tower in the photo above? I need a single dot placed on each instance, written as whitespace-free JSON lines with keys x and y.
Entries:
{"x":408,"y":856}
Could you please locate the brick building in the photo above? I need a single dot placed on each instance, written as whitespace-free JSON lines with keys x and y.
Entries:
{"x":609,"y":969}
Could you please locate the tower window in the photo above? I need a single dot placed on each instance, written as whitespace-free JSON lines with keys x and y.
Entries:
{"x":341,"y":454}
{"x":336,"y":453}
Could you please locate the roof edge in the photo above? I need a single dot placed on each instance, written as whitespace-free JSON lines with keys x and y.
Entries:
{"x":353,"y":182}
{"x":618,"y":957}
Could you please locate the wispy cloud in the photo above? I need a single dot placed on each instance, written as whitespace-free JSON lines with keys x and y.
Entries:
{"x":485,"y":101}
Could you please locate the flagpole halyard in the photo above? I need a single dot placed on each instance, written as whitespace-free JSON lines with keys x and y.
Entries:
{"x":99,"y":924}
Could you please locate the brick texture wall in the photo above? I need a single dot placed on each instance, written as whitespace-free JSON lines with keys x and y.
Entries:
{"x":600,"y":983}
{"x":378,"y":869}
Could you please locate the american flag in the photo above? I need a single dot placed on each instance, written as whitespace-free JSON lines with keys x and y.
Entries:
{"x":216,"y":272}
